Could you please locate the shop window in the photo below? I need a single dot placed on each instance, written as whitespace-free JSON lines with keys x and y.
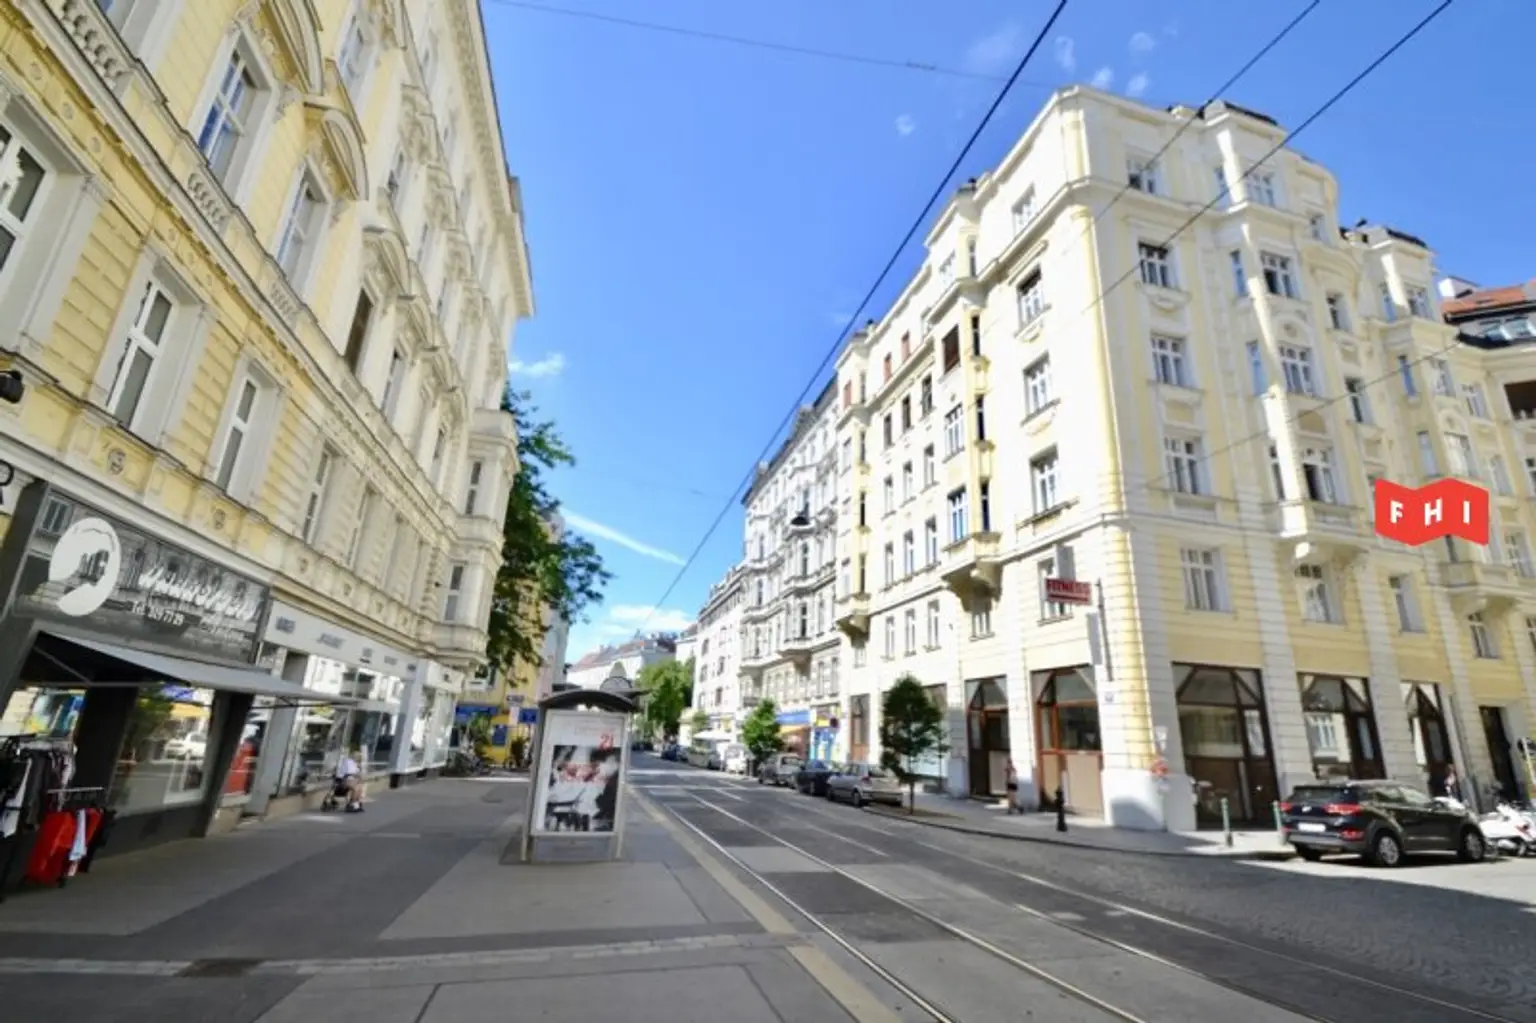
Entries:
{"x":1225,"y":737}
{"x":164,"y":757}
{"x":1341,"y":728}
{"x":42,"y":711}
{"x":1431,"y":737}
{"x":246,"y":759}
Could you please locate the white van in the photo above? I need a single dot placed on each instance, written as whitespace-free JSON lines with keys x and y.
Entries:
{"x":699,"y":752}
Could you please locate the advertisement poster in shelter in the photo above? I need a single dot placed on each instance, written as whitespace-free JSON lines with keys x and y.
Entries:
{"x":580,"y":773}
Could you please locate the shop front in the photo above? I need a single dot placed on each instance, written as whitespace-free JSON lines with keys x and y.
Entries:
{"x":795,"y":730}
{"x":988,"y":746}
{"x":1341,"y":727}
{"x":425,"y":724}
{"x":1429,"y":727}
{"x":128,"y":677}
{"x":824,"y":727}
{"x":1225,"y":735}
{"x":1069,"y":740}
{"x":362,"y":683}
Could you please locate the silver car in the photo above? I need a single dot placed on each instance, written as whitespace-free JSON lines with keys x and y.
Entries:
{"x":779,"y":769}
{"x":859,"y":783}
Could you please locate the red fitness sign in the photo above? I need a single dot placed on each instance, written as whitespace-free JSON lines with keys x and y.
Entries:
{"x":1417,"y":515}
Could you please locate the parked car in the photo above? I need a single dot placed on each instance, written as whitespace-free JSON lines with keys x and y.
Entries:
{"x":702,"y":753}
{"x":733,"y":759}
{"x":187,"y":747}
{"x":671,"y":751}
{"x":864,"y":783}
{"x":1380,"y":821}
{"x":779,"y":769}
{"x":811,"y":778}
{"x":714,"y":760}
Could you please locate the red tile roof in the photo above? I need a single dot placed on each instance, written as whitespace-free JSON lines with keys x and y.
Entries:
{"x":1491,"y":298}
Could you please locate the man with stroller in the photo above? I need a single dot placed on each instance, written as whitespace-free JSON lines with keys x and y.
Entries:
{"x":349,"y":780}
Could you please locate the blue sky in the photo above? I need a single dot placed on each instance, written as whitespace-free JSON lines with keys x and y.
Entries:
{"x":703,"y":216}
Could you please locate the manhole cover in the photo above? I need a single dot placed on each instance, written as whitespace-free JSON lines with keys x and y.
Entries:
{"x":220,"y":968}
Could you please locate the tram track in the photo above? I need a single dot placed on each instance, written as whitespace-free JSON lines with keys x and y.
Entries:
{"x":1108,"y":922}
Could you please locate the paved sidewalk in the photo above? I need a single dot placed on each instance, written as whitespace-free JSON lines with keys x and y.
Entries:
{"x":982,"y":818}
{"x":417,"y":912}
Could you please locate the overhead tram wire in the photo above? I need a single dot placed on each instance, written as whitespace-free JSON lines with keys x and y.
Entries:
{"x":760,"y":44}
{"x":890,"y":264}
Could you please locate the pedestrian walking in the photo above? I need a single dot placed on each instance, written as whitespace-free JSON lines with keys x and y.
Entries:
{"x":1013,"y":789}
{"x":1452,"y":783}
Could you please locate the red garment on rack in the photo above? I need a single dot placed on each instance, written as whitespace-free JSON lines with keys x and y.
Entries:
{"x":55,"y":837}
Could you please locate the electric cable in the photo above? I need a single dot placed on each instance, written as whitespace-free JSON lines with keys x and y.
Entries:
{"x":837,"y":345}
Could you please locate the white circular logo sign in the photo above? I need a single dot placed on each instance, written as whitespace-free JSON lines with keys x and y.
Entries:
{"x":84,"y":542}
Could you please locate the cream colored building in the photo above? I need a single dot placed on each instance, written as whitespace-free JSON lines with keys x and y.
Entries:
{"x":1190,"y":427}
{"x":715,"y":648}
{"x":789,"y":646}
{"x":263,"y":260}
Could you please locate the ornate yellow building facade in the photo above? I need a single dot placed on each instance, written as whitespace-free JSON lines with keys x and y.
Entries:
{"x":260,"y":264}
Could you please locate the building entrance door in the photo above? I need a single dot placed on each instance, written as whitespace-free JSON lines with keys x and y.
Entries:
{"x":986,"y":727}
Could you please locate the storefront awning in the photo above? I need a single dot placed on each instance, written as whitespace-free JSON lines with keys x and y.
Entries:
{"x":162,"y":668}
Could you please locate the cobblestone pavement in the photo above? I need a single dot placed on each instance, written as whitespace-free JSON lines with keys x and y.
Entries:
{"x":1392,"y":946}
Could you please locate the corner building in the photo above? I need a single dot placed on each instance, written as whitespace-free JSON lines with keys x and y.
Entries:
{"x":790,"y":649}
{"x":1188,"y":421}
{"x":717,"y":653}
{"x":261,"y":263}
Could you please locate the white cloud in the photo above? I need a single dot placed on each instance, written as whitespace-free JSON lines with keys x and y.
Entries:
{"x":1066,"y":53}
{"x":626,"y":618}
{"x":1171,"y":30}
{"x":993,"y":53}
{"x":1103,"y":78}
{"x":905,"y":125}
{"x":549,"y":366}
{"x":1142,"y":42}
{"x":602,"y":532}
{"x":1137,"y":85}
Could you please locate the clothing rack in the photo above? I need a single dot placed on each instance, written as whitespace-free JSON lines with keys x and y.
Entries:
{"x":35,"y":775}
{"x":77,"y":798}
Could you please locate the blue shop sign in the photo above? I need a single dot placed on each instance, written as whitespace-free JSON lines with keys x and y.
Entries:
{"x":499,"y":735}
{"x":791,"y":718}
{"x":528,"y":716}
{"x":463,"y":714}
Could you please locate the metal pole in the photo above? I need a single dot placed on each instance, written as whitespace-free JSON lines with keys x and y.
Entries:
{"x":1109,"y":665}
{"x":1279,"y":821}
{"x":1226,"y":822}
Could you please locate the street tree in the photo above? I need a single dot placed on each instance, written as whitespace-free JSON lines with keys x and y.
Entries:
{"x":544,"y":574}
{"x":911,"y":729}
{"x":699,"y":722}
{"x":760,"y":732}
{"x":668,"y":687}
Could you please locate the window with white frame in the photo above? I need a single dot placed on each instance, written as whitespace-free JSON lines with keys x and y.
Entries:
{"x":22,"y":177}
{"x":439,"y":449}
{"x":931,"y":542}
{"x":1359,"y":406}
{"x":888,"y":490}
{"x":1498,"y":472}
{"x":1156,"y":265}
{"x":1318,"y":475}
{"x":367,"y":508}
{"x":1315,"y":594}
{"x":954,"y":432}
{"x":315,"y":499}
{"x":947,"y":270}
{"x":908,"y":482}
{"x":1031,"y":299}
{"x":1261,"y":188}
{"x":1279,"y":275}
{"x":1239,"y":273}
{"x":455,"y":593}
{"x":352,"y":61}
{"x":1530,"y":473}
{"x":1484,"y":647}
{"x":1388,"y":304}
{"x":933,"y":625}
{"x":890,"y":564}
{"x":1277,"y":473}
{"x":1338,"y":311}
{"x":141,"y":354}
{"x":1405,"y":371}
{"x":1186,"y":469}
{"x":1050,"y":610}
{"x":1024,"y":211}
{"x":1517,"y":553}
{"x":1458,"y":449}
{"x":930,"y":467}
{"x":958,"y":503}
{"x":890,"y":636}
{"x":1223,"y":193}
{"x":236,"y":451}
{"x":227,"y":126}
{"x":1405,"y":599}
{"x":1317,"y":227}
{"x":1444,"y":381}
{"x":1044,"y":482}
{"x":1428,"y":462}
{"x":1203,"y":590}
{"x":1418,"y":303}
{"x":472,"y":487}
{"x":1169,"y":366}
{"x":301,"y":232}
{"x":1037,"y":385}
{"x":357,"y":332}
{"x":1142,"y":175}
{"x":1296,"y":367}
{"x":908,"y":553}
{"x":1477,"y":401}
{"x":909,"y":633}
{"x":392,"y":382}
{"x":1256,"y":371}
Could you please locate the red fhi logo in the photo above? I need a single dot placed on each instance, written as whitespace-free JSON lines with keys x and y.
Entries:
{"x":1417,"y":515}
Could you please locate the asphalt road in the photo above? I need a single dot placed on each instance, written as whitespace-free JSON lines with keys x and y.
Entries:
{"x":1330,"y":945}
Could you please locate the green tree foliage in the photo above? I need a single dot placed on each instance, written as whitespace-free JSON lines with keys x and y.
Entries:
{"x":668,"y":687}
{"x":911,"y":729}
{"x":698,"y":722}
{"x":760,"y":732}
{"x":564,"y":574}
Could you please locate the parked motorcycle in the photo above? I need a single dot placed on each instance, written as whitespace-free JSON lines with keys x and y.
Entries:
{"x":1510,"y":831}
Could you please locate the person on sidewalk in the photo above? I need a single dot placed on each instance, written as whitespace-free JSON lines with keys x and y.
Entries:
{"x":1013,"y":789}
{"x":349,"y":776}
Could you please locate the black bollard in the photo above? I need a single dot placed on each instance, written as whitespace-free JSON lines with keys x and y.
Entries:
{"x":1061,"y":810}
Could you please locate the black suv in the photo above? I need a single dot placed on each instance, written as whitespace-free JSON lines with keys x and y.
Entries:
{"x":1379,"y":821}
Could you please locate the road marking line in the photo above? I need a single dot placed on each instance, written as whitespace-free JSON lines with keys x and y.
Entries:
{"x":851,"y":841}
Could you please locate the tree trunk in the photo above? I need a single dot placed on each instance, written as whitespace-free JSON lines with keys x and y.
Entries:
{"x":911,"y":794}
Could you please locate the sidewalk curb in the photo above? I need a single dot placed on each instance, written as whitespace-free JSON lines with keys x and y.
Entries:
{"x":1250,"y":855}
